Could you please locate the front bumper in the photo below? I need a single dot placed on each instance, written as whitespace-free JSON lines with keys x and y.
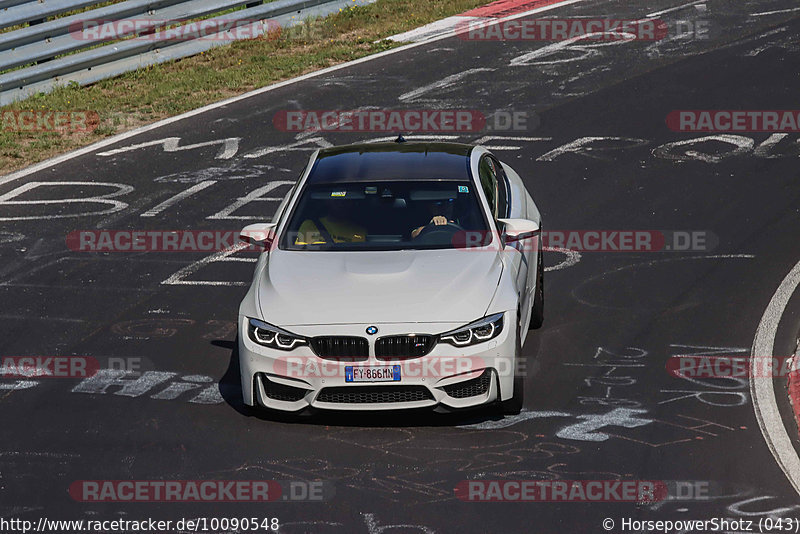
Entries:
{"x":447,"y":378}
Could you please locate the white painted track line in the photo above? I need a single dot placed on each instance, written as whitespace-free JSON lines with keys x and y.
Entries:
{"x":440,"y":27}
{"x":676,"y":8}
{"x":761,"y":388}
{"x":780,"y":11}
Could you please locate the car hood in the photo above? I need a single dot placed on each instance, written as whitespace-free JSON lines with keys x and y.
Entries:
{"x":426,"y":286}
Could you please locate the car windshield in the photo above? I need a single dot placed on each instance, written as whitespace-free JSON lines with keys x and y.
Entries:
{"x":386,"y":215}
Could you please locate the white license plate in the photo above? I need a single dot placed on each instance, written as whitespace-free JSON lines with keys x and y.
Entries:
{"x":375,"y":373}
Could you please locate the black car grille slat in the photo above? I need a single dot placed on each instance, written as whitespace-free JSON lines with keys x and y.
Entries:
{"x":279,"y":392}
{"x":470,"y":388}
{"x":405,"y":346}
{"x":346,"y":348}
{"x":374,"y":394}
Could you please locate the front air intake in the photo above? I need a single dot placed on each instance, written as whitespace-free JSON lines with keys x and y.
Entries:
{"x":343,"y":348}
{"x":404,"y":347}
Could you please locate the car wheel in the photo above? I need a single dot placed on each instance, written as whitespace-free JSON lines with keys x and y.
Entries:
{"x":537,"y":309}
{"x":514,"y":405}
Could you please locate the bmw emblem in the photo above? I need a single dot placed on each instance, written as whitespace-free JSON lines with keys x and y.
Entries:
{"x":372,"y":330}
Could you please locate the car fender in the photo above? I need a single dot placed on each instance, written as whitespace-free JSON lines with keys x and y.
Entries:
{"x":507,"y":295}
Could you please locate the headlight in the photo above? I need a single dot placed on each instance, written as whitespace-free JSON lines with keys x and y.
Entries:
{"x":474,"y":333}
{"x":272,"y":336}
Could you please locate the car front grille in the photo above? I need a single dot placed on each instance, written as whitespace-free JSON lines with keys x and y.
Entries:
{"x":374,"y":394}
{"x":470,"y":388}
{"x":279,"y":392}
{"x":406,"y":346}
{"x":344,"y":348}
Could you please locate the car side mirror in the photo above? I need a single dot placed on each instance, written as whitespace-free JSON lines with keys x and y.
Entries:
{"x":259,"y":234}
{"x":517,"y":229}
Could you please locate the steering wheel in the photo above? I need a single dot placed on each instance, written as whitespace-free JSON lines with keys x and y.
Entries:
{"x":436,"y":233}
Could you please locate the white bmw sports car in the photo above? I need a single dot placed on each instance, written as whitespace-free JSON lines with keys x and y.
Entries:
{"x":394,"y":276}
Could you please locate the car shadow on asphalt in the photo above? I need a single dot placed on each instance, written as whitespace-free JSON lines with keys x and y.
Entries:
{"x":231,"y":390}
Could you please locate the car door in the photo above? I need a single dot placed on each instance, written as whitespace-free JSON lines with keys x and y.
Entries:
{"x":497,"y":191}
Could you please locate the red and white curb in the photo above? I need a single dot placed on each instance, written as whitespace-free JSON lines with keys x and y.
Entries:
{"x":494,"y":12}
{"x":505,"y":8}
{"x":436,"y":29}
{"x":794,"y":384}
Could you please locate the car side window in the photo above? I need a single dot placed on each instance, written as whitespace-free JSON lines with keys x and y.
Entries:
{"x":502,"y":189}
{"x":489,"y":183}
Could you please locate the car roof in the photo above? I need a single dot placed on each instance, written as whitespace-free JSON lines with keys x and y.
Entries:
{"x":376,"y":162}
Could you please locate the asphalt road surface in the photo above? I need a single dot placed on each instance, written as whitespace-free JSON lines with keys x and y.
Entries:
{"x":600,"y":403}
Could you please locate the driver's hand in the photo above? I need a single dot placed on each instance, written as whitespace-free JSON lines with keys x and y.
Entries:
{"x":437,"y":220}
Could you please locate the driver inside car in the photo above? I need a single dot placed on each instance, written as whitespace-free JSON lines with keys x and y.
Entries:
{"x":441,"y":212}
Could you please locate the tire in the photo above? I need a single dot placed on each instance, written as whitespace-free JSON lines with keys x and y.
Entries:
{"x":537,"y":308}
{"x":514,"y":405}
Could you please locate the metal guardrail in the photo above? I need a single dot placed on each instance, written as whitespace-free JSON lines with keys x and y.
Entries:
{"x":10,"y":3}
{"x":29,"y":11}
{"x":56,"y":44}
{"x":43,"y":32}
{"x":40,"y":48}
